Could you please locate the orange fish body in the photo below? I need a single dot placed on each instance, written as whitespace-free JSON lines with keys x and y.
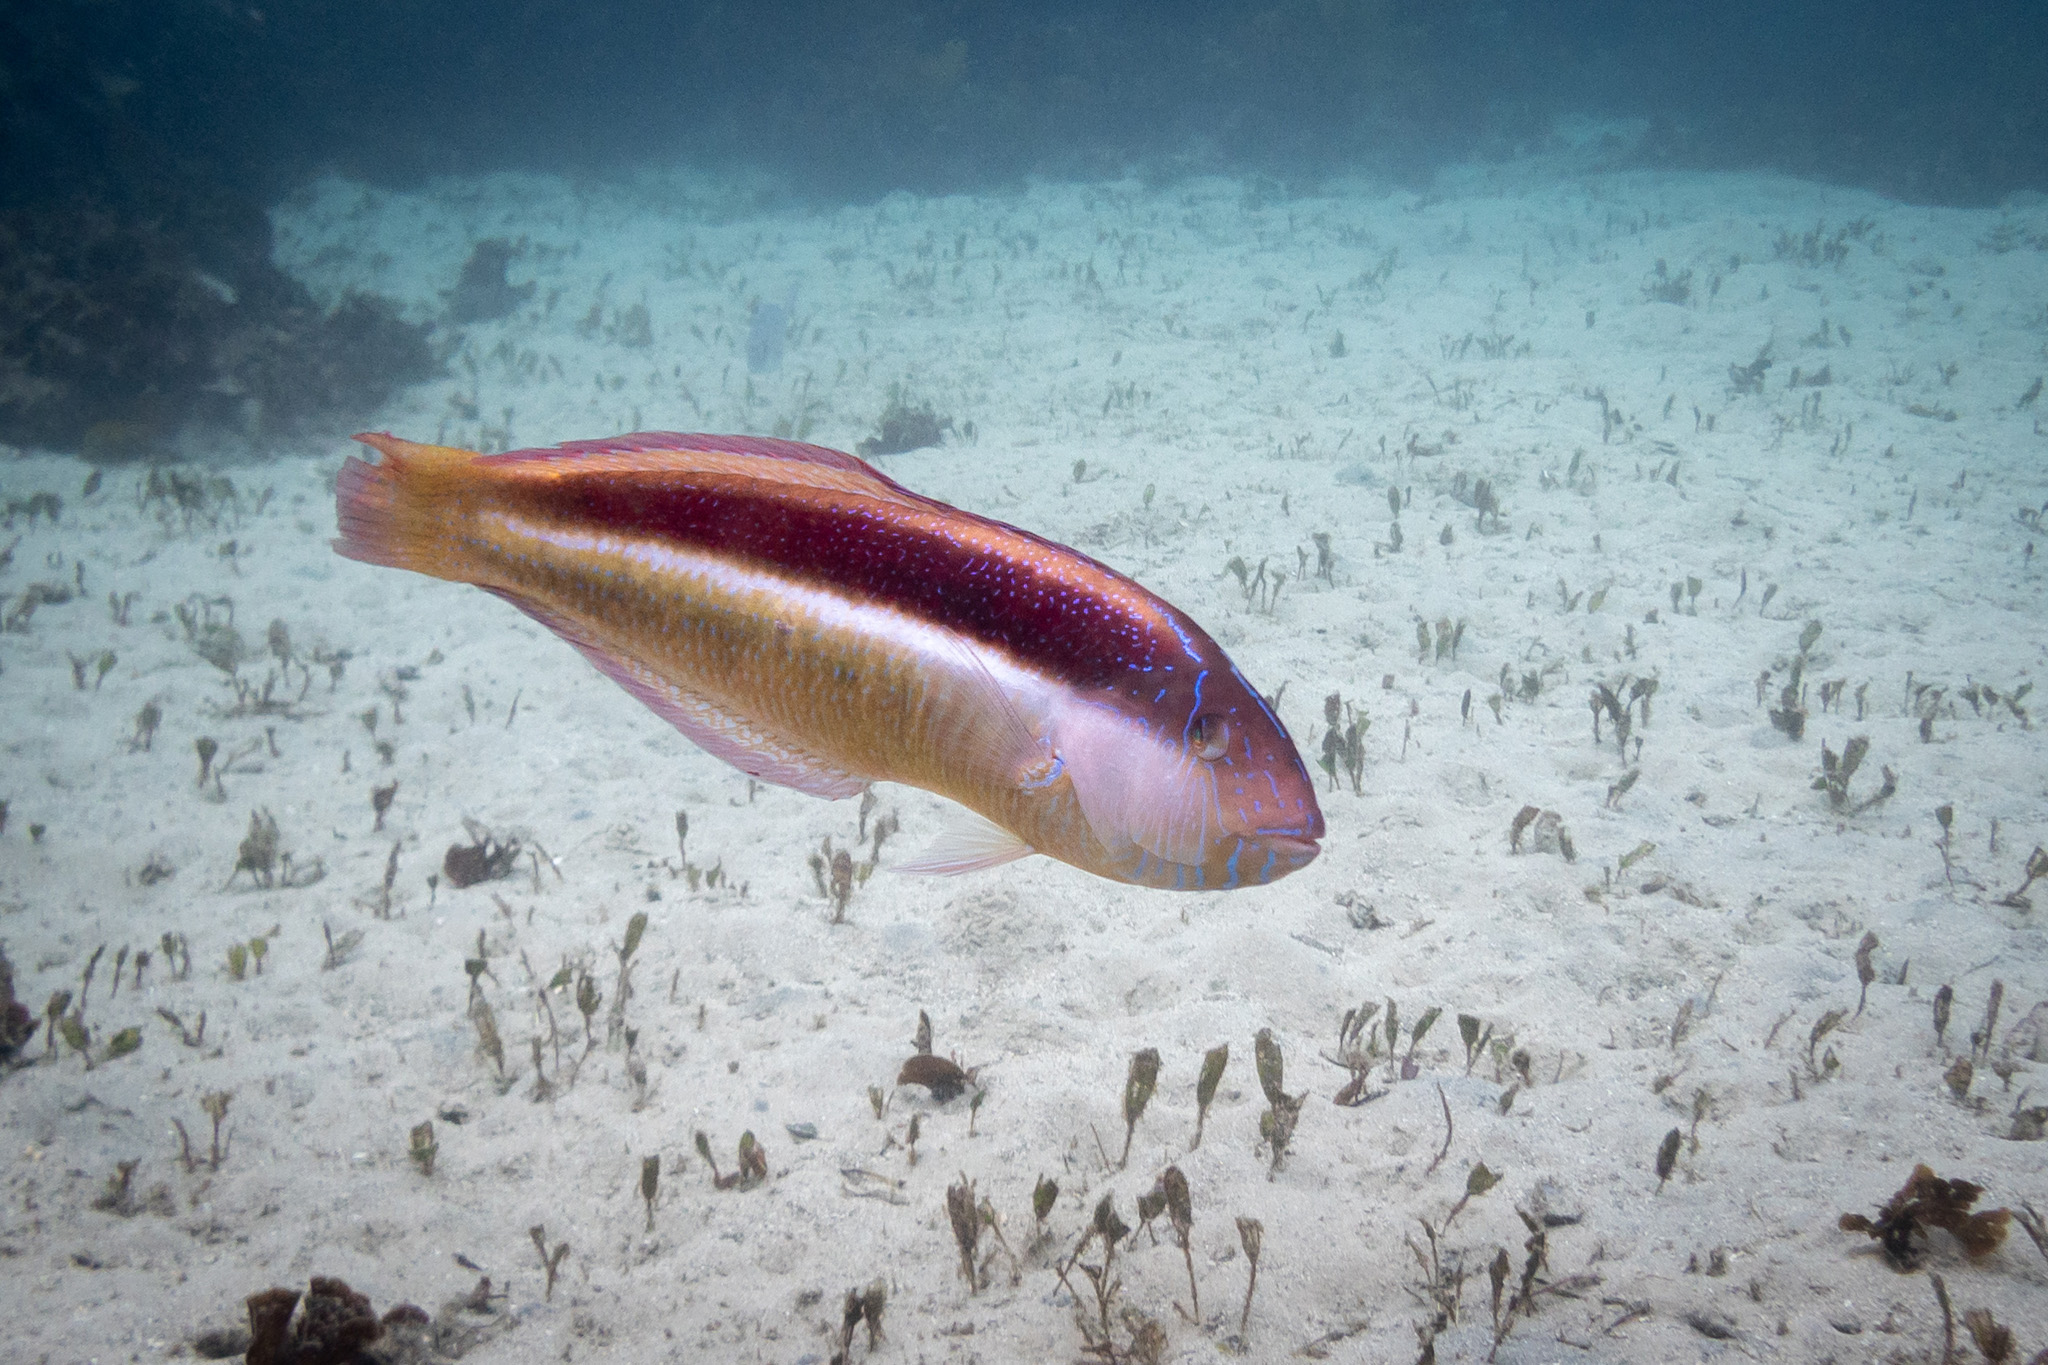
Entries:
{"x":802,"y":616}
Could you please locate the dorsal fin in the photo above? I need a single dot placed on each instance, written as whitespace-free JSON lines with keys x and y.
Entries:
{"x":758,"y":457}
{"x":639,"y":442}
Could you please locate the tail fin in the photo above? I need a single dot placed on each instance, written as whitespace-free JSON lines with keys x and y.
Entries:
{"x":368,"y":497}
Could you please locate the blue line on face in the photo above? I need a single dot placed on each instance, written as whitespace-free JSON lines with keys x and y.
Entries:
{"x":1257,"y":699}
{"x":1196,"y":709}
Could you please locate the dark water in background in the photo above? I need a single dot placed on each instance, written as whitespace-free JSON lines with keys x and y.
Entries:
{"x":1926,"y":101}
{"x":141,"y":136}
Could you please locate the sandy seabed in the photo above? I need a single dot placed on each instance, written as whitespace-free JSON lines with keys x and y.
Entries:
{"x":1169,"y":379}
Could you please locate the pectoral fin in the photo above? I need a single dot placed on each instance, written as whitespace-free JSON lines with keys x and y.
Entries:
{"x":970,"y":846}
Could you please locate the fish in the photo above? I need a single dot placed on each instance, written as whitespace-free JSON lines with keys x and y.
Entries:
{"x":797,"y":613}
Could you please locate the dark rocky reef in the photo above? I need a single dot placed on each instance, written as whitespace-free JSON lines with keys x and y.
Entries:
{"x":902,"y":427}
{"x":138,"y":300}
{"x":483,"y":294}
{"x":116,"y":335}
{"x":17,"y":1025}
{"x":332,"y":1324}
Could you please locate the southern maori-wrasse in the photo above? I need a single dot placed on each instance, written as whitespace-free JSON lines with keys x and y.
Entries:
{"x":811,"y":621}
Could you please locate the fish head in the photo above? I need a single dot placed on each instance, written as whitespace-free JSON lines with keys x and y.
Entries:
{"x":1195,"y":785}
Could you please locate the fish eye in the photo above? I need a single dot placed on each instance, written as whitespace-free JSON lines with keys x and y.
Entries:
{"x":1209,"y":736}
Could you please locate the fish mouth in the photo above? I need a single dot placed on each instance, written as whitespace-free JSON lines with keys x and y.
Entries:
{"x":1291,"y":846}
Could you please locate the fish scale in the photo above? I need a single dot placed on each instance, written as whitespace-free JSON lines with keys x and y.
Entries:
{"x":807,"y":619}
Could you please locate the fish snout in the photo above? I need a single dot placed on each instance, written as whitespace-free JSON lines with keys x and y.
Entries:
{"x":1295,"y":848}
{"x":1289,"y":833}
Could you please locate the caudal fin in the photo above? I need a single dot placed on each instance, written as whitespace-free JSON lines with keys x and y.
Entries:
{"x":364,"y":496}
{"x":369,"y":499}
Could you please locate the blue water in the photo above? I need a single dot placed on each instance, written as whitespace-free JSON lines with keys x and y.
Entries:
{"x":140,"y":146}
{"x":766,"y":333}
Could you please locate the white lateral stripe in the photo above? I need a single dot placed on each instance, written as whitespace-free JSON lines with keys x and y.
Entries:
{"x":824,"y":608}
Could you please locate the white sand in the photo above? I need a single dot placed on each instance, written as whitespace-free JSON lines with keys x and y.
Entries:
{"x":1176,"y":340}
